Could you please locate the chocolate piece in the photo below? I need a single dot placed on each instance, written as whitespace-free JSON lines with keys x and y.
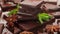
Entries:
{"x":50,"y":1}
{"x":50,"y":6}
{"x":31,"y":3}
{"x":29,"y":11}
{"x":26,"y":32}
{"x":16,"y":30}
{"x":7,"y":7}
{"x":56,"y":14}
{"x":28,"y":25}
{"x":25,"y":17}
{"x":1,"y":28}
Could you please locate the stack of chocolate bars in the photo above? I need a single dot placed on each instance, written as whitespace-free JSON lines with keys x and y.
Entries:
{"x":27,"y":21}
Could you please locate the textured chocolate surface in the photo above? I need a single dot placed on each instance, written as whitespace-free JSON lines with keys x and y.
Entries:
{"x":50,"y":6}
{"x":28,"y":25}
{"x":31,"y":3}
{"x":7,"y":7}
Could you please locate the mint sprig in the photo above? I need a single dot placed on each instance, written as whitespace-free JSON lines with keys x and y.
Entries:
{"x":43,"y":17}
{"x":14,"y":11}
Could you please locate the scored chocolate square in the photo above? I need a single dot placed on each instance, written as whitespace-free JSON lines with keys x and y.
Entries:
{"x":24,"y":17}
{"x":31,"y":3}
{"x":28,"y":25}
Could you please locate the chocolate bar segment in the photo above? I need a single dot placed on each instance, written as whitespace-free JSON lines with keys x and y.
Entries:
{"x":7,"y":7}
{"x":51,"y":1}
{"x":50,"y":7}
{"x":28,"y":25}
{"x":31,"y":3}
{"x":26,"y":17}
{"x":56,"y":14}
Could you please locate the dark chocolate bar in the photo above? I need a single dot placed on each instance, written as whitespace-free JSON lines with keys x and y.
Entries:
{"x":26,"y":17}
{"x":28,"y":25}
{"x":56,"y":14}
{"x":31,"y":3}
{"x":28,"y":12}
{"x":50,"y":1}
{"x":7,"y":7}
{"x":1,"y":28}
{"x":49,"y":6}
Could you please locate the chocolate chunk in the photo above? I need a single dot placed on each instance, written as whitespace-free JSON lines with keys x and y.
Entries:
{"x":50,"y":1}
{"x":16,"y":30}
{"x":28,"y":12}
{"x":7,"y":7}
{"x":48,"y":6}
{"x":56,"y":13}
{"x":31,"y":3}
{"x":1,"y":28}
{"x":28,"y":25}
{"x":25,"y":17}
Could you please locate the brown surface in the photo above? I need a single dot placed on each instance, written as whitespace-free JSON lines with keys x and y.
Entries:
{"x":24,"y":17}
{"x":1,"y":28}
{"x":31,"y":3}
{"x":7,"y":7}
{"x":16,"y":30}
{"x":28,"y":25}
